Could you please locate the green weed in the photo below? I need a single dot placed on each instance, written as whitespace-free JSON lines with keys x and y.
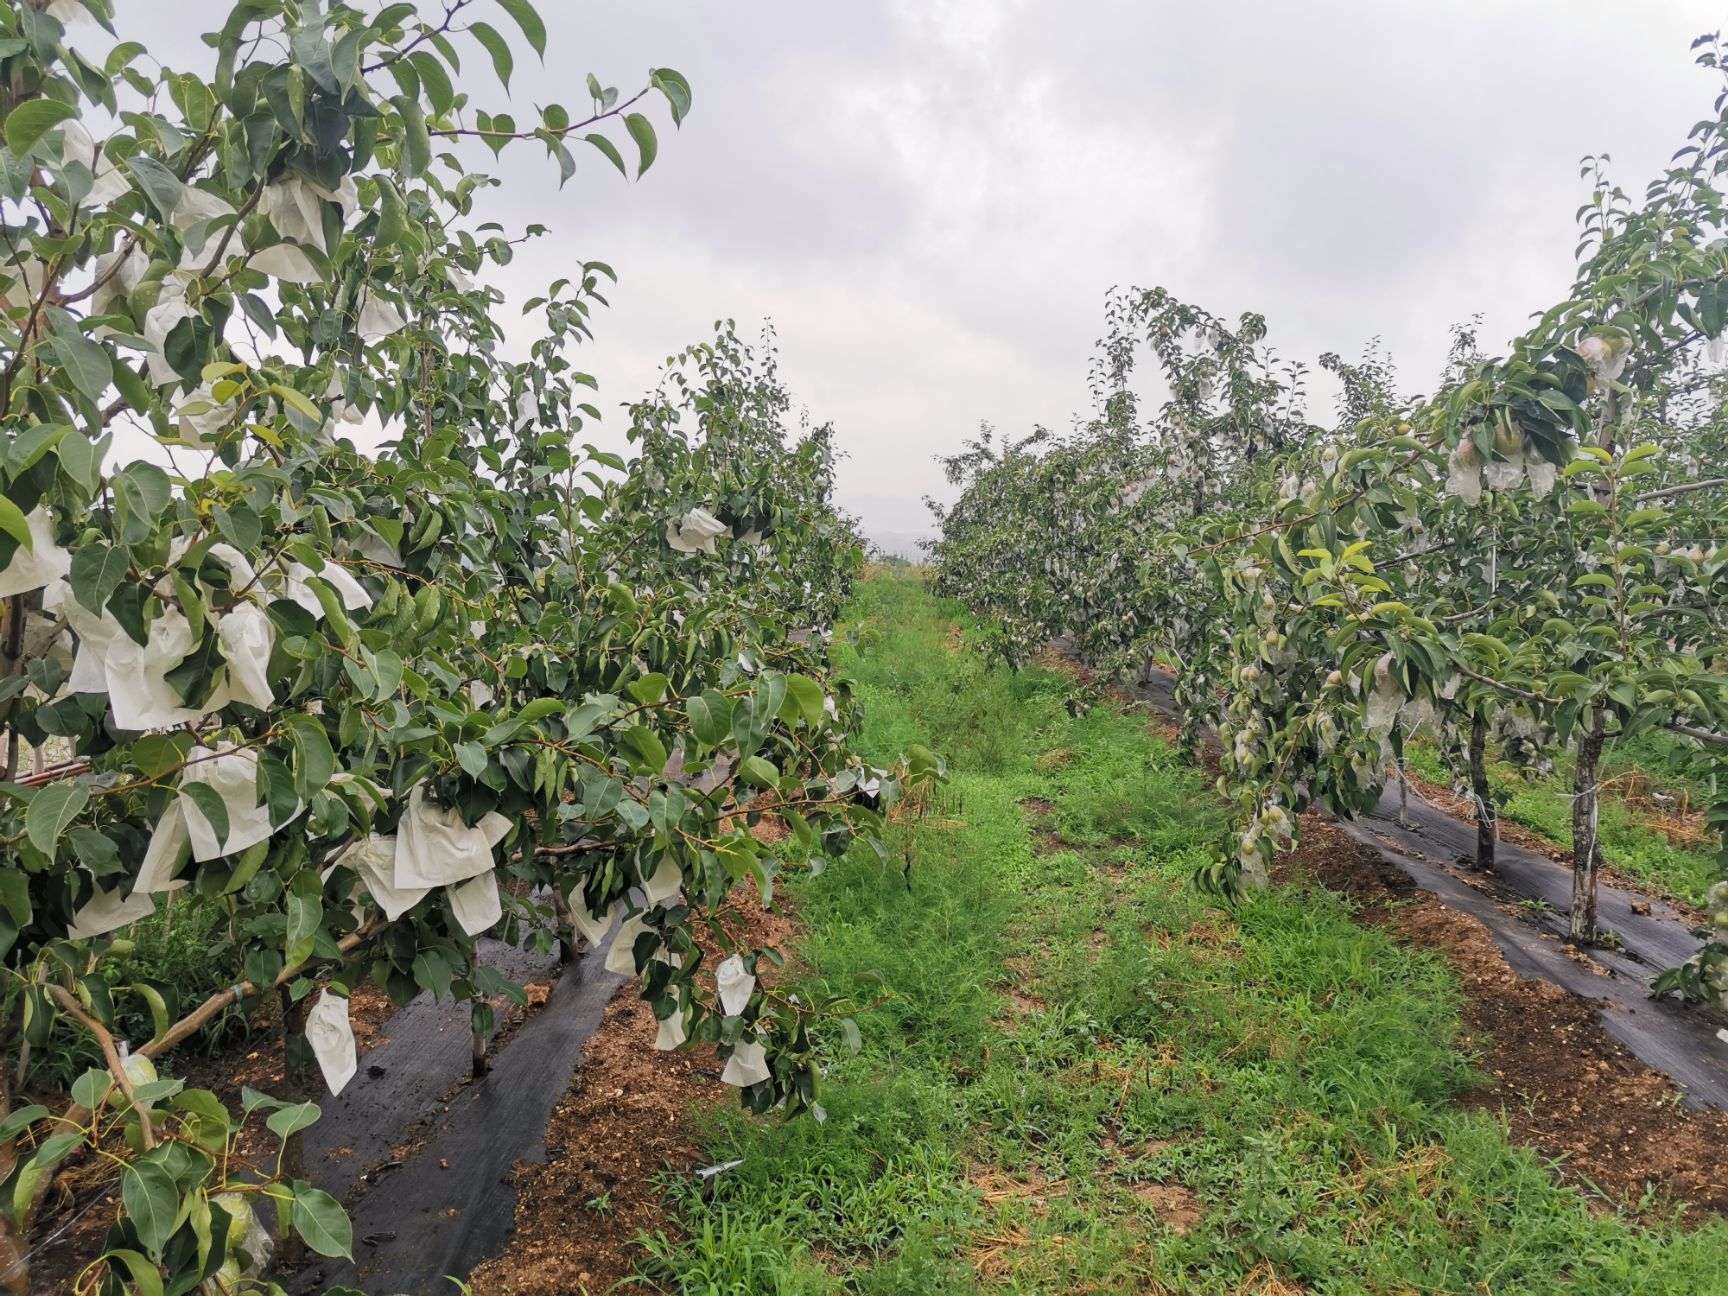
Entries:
{"x":1090,"y":1078}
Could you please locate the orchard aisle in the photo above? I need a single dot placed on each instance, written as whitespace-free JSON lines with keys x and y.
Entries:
{"x":1089,"y":1078}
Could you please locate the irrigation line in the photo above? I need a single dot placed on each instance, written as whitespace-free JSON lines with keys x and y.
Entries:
{"x":96,"y":1199}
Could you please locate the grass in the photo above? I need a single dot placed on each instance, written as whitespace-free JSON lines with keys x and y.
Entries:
{"x":1092,"y":1080}
{"x":184,"y":951}
{"x":1631,"y":841}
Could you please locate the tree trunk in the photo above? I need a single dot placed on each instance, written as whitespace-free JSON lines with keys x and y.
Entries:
{"x":1586,"y":852}
{"x":14,"y":1240}
{"x":1487,"y":817}
{"x":481,"y":1020}
{"x":565,"y":928}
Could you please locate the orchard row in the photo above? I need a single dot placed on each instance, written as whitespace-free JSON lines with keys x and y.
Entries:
{"x":367,"y":707}
{"x":1534,"y":557}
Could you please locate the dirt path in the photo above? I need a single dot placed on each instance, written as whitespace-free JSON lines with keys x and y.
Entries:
{"x":1522,"y":904}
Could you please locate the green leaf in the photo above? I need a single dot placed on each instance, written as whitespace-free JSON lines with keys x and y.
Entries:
{"x":259,"y":312}
{"x":433,"y":973}
{"x":86,"y":362}
{"x":141,"y":491}
{"x":15,"y":900}
{"x":529,"y":22}
{"x":499,"y":48}
{"x":48,"y":1154}
{"x":416,"y":143}
{"x":240,"y":526}
{"x":314,"y":759}
{"x":677,"y":91}
{"x":156,"y":754}
{"x":194,"y":679}
{"x":471,"y":756}
{"x":319,"y":1220}
{"x":80,"y":459}
{"x":20,"y":1120}
{"x":312,"y":53}
{"x":31,"y":120}
{"x":252,"y":1100}
{"x":51,"y":811}
{"x":31,"y":444}
{"x":13,"y":523}
{"x":287,"y":1121}
{"x":92,"y":1088}
{"x":211,"y":805}
{"x":710,"y":715}
{"x":160,"y":185}
{"x":392,"y":213}
{"x":434,"y":80}
{"x":387,"y":673}
{"x":610,"y":149}
{"x":97,"y":570}
{"x":759,"y":772}
{"x":642,"y":131}
{"x":581,"y":720}
{"x":297,"y":402}
{"x":146,"y":1277}
{"x":539,"y":709}
{"x":649,"y":689}
{"x":151,"y":1200}
{"x":305,"y":913}
{"x":804,"y":697}
{"x":642,"y":746}
{"x":160,"y":1022}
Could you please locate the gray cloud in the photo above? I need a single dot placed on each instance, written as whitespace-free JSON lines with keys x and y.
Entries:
{"x":930,"y":199}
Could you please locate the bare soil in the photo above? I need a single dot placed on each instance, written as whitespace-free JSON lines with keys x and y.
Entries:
{"x":623,"y":1123}
{"x":1563,"y":1086}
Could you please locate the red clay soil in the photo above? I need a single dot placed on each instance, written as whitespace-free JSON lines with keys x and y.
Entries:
{"x":625,"y":1120}
{"x":1562,"y":1085}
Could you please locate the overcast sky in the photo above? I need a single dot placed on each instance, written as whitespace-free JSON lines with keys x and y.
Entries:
{"x":930,"y":198}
